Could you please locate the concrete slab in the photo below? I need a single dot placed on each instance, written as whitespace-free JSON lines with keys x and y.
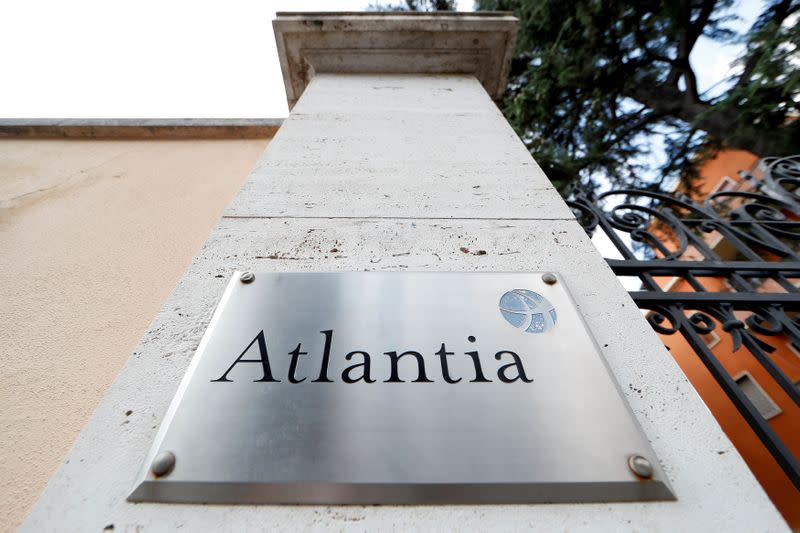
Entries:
{"x":438,"y":191}
{"x":715,"y":490}
{"x":432,"y":94}
{"x":346,"y":156}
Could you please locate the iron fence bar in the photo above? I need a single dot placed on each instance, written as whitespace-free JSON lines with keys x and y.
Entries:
{"x":769,"y":365}
{"x":723,"y":313}
{"x":787,"y":285}
{"x":734,"y":236}
{"x":778,"y":224}
{"x":734,"y":278}
{"x":782,"y":455}
{"x":761,"y":226}
{"x":694,"y":282}
{"x":670,"y":267}
{"x":703,"y":300}
{"x":789,"y":327}
{"x":772,"y":240}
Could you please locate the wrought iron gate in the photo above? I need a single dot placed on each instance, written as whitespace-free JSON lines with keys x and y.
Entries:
{"x":734,"y":254}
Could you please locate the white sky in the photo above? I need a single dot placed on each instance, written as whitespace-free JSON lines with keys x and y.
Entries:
{"x":148,"y":58}
{"x":175,"y":58}
{"x":713,"y":61}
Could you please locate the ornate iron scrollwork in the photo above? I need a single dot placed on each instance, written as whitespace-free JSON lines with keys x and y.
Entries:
{"x":733,"y":262}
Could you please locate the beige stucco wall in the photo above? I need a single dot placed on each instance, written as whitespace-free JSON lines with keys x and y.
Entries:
{"x":93,"y":236}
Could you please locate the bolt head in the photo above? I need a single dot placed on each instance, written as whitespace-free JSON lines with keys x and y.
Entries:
{"x":640,"y":466}
{"x":549,"y":278}
{"x":247,"y":277}
{"x":163,"y":464}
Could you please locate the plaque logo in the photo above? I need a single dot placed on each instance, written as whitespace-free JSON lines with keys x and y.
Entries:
{"x":528,"y":311}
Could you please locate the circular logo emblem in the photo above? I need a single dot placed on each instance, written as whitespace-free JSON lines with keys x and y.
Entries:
{"x":528,"y":311}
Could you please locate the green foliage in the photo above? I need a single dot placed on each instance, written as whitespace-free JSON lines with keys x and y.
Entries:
{"x":415,"y":5}
{"x":601,"y":90}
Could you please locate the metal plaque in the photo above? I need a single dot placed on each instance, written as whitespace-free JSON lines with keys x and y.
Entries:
{"x":401,"y":388}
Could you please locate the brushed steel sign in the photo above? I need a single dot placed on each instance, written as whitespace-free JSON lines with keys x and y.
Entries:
{"x":358,"y":388}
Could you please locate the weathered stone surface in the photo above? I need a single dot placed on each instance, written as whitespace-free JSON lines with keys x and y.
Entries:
{"x":435,"y":95}
{"x":90,"y":489}
{"x":348,"y":156}
{"x":715,"y":490}
{"x":479,"y":44}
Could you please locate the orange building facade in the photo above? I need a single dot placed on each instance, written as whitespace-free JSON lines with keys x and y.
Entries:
{"x":721,"y":174}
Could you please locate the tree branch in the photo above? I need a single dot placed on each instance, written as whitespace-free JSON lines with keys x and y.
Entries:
{"x":635,"y":125}
{"x":722,"y":124}
{"x":692,"y":30}
{"x":780,"y":12}
{"x":669,"y":101}
{"x":642,"y":42}
{"x":695,"y":29}
{"x":690,"y":79}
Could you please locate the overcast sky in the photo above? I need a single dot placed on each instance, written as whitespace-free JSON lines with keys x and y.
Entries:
{"x":148,"y":58}
{"x":173,"y":58}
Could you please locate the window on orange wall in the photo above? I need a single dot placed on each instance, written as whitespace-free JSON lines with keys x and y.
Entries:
{"x":757,"y":396}
{"x":793,"y":348}
{"x":726,"y":184}
{"x":711,"y":339}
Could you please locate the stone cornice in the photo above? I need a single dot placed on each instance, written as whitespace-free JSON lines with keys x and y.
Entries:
{"x":481,"y":44}
{"x":181,"y":128}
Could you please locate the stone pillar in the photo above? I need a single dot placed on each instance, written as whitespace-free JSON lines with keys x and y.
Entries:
{"x":411,"y":169}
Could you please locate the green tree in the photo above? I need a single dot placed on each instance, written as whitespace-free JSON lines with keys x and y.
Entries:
{"x":602,"y":89}
{"x":414,"y":5}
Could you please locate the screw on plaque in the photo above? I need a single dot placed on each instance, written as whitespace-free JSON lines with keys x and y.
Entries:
{"x":247,"y":277}
{"x":640,"y":466}
{"x":163,"y":464}
{"x":549,"y":278}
